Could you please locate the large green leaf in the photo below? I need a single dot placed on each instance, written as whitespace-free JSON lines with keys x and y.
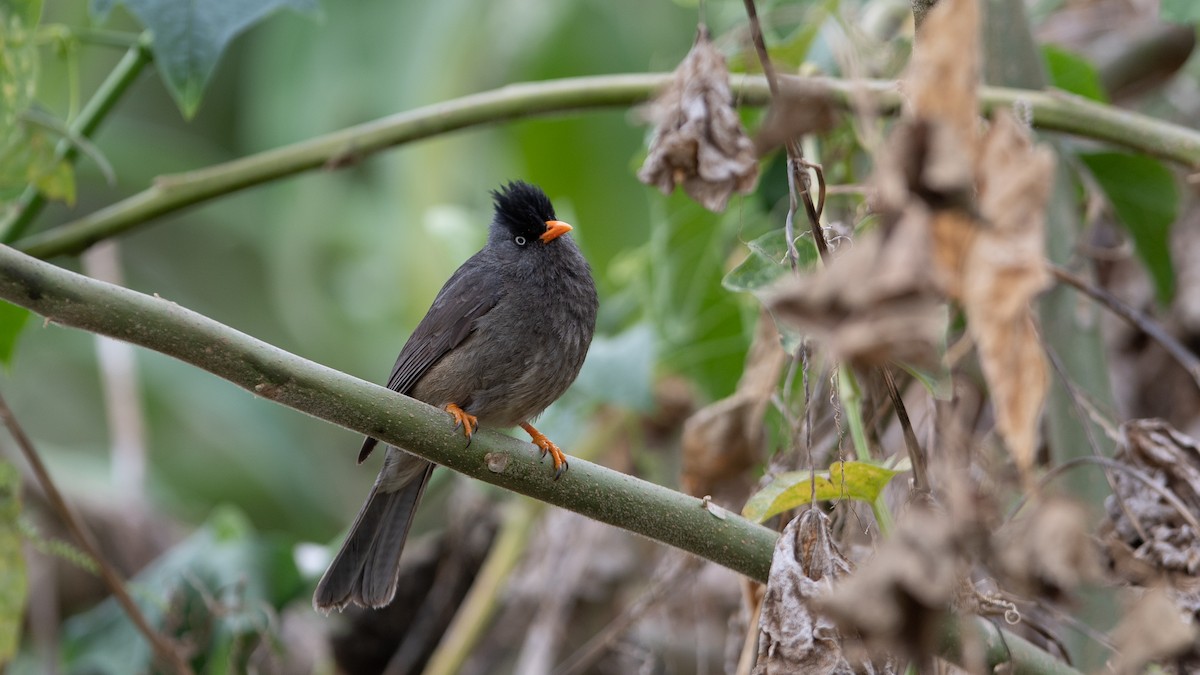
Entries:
{"x":1071,"y":72}
{"x":12,"y":320}
{"x":191,"y":35}
{"x":1179,"y":11}
{"x":14,"y":583}
{"x":225,"y":561}
{"x":843,"y":480}
{"x":1145,"y":199}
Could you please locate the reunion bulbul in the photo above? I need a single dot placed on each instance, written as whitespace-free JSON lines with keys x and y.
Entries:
{"x":504,"y":338}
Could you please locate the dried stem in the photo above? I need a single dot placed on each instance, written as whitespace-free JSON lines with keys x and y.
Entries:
{"x":915,"y":454}
{"x":1149,"y":326}
{"x":167,"y":652}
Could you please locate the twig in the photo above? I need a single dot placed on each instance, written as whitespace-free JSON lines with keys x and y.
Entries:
{"x":1139,"y":320}
{"x":1052,"y":111}
{"x":668,"y":579}
{"x":161,"y":645}
{"x":1170,"y":497}
{"x":915,"y":454}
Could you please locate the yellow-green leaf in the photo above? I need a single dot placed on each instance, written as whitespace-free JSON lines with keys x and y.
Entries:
{"x":844,"y":480}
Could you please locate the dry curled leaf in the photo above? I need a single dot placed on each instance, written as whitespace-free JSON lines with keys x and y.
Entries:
{"x":942,"y":81}
{"x":699,"y":140}
{"x":1049,"y":552}
{"x":725,"y":438}
{"x":1152,"y":538}
{"x":872,"y":304}
{"x":1003,"y":273}
{"x":793,"y":637}
{"x":1153,"y":630}
{"x":897,"y":601}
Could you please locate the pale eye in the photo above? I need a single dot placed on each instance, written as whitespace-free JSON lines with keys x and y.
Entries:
{"x":520,"y":241}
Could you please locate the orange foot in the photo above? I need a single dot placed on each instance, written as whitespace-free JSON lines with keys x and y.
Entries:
{"x":463,"y":419}
{"x":540,"y":440}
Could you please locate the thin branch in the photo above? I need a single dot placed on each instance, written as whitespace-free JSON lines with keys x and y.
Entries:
{"x":1109,"y":463}
{"x":162,"y":646}
{"x":1137,"y":319}
{"x":1054,"y":111}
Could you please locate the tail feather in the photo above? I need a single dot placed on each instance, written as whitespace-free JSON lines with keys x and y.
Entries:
{"x":367,"y":568}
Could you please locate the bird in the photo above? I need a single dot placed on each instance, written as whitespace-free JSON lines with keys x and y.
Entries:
{"x":504,"y":338}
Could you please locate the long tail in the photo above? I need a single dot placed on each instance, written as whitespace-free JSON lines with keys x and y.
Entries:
{"x":365,"y":572}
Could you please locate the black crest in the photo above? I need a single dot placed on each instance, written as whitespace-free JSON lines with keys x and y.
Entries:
{"x":523,"y":209}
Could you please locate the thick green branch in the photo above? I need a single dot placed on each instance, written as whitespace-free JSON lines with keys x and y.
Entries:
{"x":74,"y":300}
{"x":664,"y":515}
{"x":1047,"y":110}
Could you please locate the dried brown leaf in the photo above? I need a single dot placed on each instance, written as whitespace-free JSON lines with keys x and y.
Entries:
{"x":1003,"y":271}
{"x":1147,"y":527}
{"x":943,"y":78}
{"x":1152,"y":630}
{"x":791,"y":115}
{"x":699,"y":140}
{"x":793,"y":636}
{"x":725,"y":438}
{"x":899,"y":598}
{"x":1049,"y":552}
{"x":873,"y":304}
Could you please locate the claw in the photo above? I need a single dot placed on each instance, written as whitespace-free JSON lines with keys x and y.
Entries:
{"x":464,"y":420}
{"x":548,"y":446}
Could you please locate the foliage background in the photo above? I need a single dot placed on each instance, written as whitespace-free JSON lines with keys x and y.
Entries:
{"x":338,"y":266}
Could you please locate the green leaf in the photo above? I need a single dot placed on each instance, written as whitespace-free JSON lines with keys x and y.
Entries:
{"x":225,"y":562}
{"x":1071,"y":72}
{"x":1179,"y":11}
{"x":844,"y":480}
{"x":12,"y":320}
{"x":1145,"y":199}
{"x":768,"y":261}
{"x":18,"y":58}
{"x":190,"y":36}
{"x":14,"y":582}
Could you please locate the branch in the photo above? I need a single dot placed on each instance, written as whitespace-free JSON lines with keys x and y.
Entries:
{"x":651,"y":510}
{"x":1054,"y":111}
{"x":659,"y":513}
{"x":162,"y":646}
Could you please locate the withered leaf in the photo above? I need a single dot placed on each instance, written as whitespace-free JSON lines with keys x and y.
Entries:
{"x":722,"y":440}
{"x":1152,"y":630}
{"x":1049,"y":552}
{"x":1003,"y":271}
{"x":942,"y":81}
{"x":699,"y":140}
{"x":874,"y":303}
{"x":1156,"y":530}
{"x":793,"y":636}
{"x":899,"y":598}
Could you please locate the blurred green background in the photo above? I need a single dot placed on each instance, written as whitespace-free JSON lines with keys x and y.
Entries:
{"x":338,"y":266}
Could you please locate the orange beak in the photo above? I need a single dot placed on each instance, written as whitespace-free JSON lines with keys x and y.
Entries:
{"x":554,"y":230}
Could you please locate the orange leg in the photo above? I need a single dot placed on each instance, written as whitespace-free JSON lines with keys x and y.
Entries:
{"x":463,"y":419}
{"x":540,"y":440}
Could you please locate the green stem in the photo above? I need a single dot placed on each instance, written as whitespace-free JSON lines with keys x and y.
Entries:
{"x":1048,"y":110}
{"x":31,"y":202}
